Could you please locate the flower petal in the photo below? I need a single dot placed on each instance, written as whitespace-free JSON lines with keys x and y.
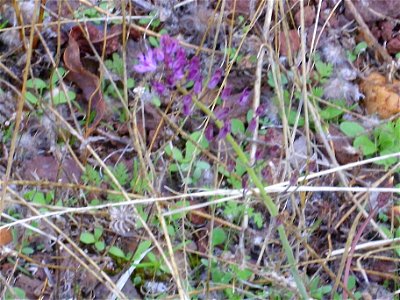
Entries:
{"x":215,"y":78}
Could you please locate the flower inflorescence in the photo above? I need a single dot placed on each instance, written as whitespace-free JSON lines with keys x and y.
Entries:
{"x":180,"y":70}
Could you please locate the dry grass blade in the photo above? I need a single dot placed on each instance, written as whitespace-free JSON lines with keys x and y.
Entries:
{"x":230,"y":155}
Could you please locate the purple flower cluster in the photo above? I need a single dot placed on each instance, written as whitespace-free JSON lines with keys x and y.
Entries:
{"x":172,"y":58}
{"x":178,"y":69}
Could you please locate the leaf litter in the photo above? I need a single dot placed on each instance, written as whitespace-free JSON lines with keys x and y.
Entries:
{"x":160,"y":141}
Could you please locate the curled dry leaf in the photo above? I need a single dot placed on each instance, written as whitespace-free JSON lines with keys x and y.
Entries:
{"x":85,"y":80}
{"x":5,"y":236}
{"x":381,"y":96}
{"x":96,"y":36}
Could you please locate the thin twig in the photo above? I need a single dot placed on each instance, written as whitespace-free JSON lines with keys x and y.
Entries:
{"x":369,"y":37}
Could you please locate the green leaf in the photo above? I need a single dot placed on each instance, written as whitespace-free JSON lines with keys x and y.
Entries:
{"x":389,"y":161}
{"x":100,"y":246}
{"x":358,"y":295}
{"x":171,"y":230}
{"x":200,"y":166}
{"x":27,"y":250}
{"x":31,"y":98}
{"x":179,"y":215}
{"x":94,"y":202}
{"x":143,"y":246}
{"x":292,"y":116}
{"x":130,"y":83}
{"x":244,"y":274}
{"x":19,"y":293}
{"x":87,"y":238}
{"x":218,"y":236}
{"x":36,"y":197}
{"x":361,"y":47}
{"x":386,"y":231}
{"x":153,"y":41}
{"x":237,"y":126}
{"x":351,"y":282}
{"x":146,"y":21}
{"x":317,"y":92}
{"x":314,"y":283}
{"x":330,"y":113}
{"x":257,"y":218}
{"x":60,"y":97}
{"x":117,"y":252}
{"x":120,"y":172}
{"x":271,"y":82}
{"x":365,"y":144}
{"x":173,"y":168}
{"x":190,"y":148}
{"x":115,"y":65}
{"x":324,"y":69}
{"x":55,"y":78}
{"x":4,"y":24}
{"x":177,"y":154}
{"x":98,"y":231}
{"x":36,"y":83}
{"x":351,"y":129}
{"x":351,"y":56}
{"x":91,"y":176}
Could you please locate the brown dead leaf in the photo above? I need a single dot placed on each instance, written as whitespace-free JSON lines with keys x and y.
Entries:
{"x":345,"y":153}
{"x":381,"y":269}
{"x":381,"y":96}
{"x":246,"y":7}
{"x":394,"y":215}
{"x":373,"y":10}
{"x":97,"y":36}
{"x":309,"y":16}
{"x":32,"y":286}
{"x":86,"y":81}
{"x":64,"y":9}
{"x":294,"y":42}
{"x":49,"y":168}
{"x":5,"y":236}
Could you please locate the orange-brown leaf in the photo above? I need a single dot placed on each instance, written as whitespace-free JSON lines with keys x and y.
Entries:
{"x":85,"y":80}
{"x":381,"y":96}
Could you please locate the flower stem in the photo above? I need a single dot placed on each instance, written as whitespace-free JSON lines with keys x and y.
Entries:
{"x":272,"y":208}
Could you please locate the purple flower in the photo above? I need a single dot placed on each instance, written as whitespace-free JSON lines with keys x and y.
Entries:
{"x":259,"y":154}
{"x":194,"y":68}
{"x":215,"y":78}
{"x":176,"y":76}
{"x":244,"y":97}
{"x":168,"y":44}
{"x":226,"y":92}
{"x":187,"y":105}
{"x":260,"y":111}
{"x":252,"y":125}
{"x":209,"y":132}
{"x":224,"y":130}
{"x":159,"y":54}
{"x":221,"y":113}
{"x":180,"y":60}
{"x":159,"y":88}
{"x":146,"y":63}
{"x":198,"y":85}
